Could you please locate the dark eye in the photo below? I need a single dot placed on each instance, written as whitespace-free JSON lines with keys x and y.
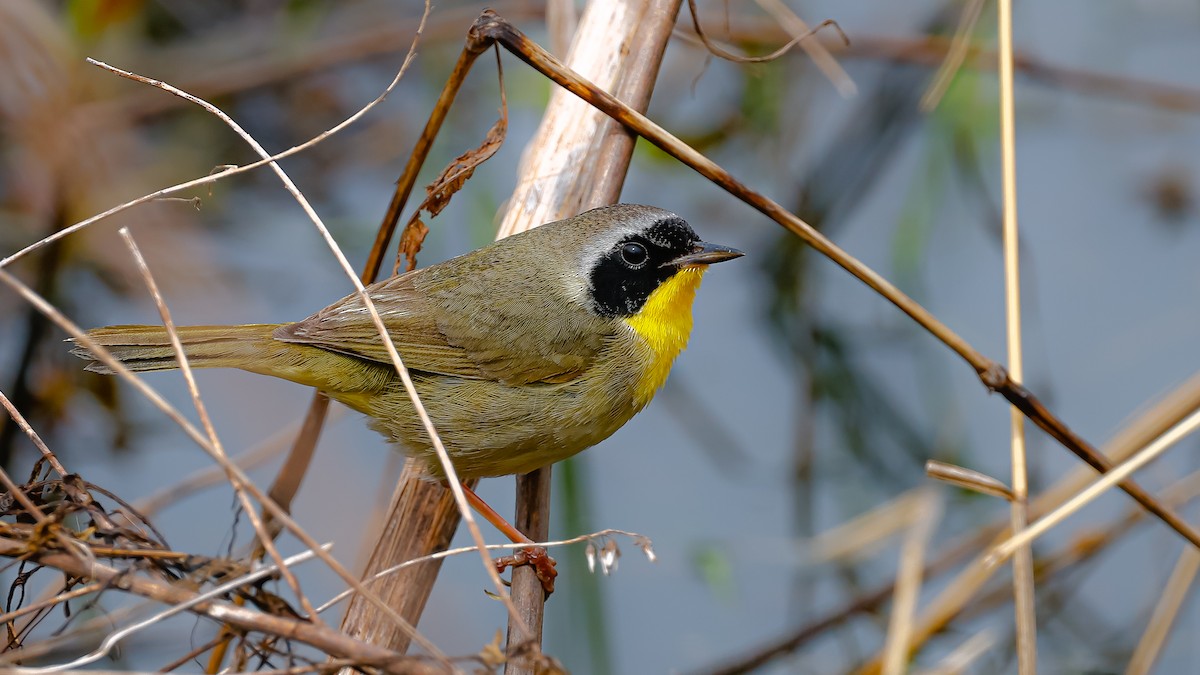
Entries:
{"x":634,"y":254}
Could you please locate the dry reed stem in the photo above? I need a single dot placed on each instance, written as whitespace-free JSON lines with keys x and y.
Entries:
{"x":317,"y":635}
{"x":51,"y":601}
{"x":866,"y":531}
{"x":963,"y":588}
{"x":1097,"y":488}
{"x":578,"y":160}
{"x":406,"y":379}
{"x":796,"y":27}
{"x":949,"y":603}
{"x":1024,"y":605}
{"x":1159,"y":627}
{"x":23,"y":424}
{"x":955,"y":56}
{"x":199,"y":439}
{"x":910,"y":572}
{"x":991,"y":374}
{"x":967,"y":479}
{"x":111,"y":640}
{"x":72,"y":546}
{"x":186,"y":368}
{"x":965,"y":654}
{"x":214,"y":475}
{"x":720,"y":52}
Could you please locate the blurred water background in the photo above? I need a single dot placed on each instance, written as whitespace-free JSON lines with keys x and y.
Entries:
{"x":803,"y":401}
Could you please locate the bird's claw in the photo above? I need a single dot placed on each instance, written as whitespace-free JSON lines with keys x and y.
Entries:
{"x":537,"y":558}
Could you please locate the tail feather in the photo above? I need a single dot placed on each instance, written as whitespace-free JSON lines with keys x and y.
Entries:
{"x":147,"y":348}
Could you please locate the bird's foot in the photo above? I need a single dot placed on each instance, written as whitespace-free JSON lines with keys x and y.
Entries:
{"x":537,"y":558}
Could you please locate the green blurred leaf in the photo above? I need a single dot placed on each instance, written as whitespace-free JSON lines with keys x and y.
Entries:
{"x":715,"y":569}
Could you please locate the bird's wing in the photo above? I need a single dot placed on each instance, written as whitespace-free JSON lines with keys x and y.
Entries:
{"x":457,"y":327}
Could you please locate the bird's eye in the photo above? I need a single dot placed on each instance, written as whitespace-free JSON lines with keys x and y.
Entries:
{"x":634,"y":254}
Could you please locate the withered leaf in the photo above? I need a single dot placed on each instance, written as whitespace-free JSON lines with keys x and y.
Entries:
{"x":449,"y":181}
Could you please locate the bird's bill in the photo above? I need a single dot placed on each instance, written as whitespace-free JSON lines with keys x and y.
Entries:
{"x":704,"y":253}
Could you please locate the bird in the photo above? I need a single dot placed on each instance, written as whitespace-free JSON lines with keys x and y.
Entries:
{"x":524,"y":352}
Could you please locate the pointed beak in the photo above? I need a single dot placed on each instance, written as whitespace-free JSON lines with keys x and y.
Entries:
{"x":704,"y":253}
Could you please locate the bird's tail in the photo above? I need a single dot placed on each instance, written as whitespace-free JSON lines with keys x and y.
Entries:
{"x":143,"y":348}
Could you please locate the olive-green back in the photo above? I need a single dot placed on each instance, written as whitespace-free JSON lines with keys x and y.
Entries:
{"x":516,"y":311}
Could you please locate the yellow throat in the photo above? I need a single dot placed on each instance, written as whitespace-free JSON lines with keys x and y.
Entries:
{"x":665,"y":323}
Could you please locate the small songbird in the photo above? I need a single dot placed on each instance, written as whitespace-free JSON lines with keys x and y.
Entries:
{"x":524,"y":352}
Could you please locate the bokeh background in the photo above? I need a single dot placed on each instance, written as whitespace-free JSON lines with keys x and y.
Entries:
{"x":804,"y":400}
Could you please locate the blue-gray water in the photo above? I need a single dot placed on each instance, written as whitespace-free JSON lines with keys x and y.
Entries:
{"x":1110,"y":318}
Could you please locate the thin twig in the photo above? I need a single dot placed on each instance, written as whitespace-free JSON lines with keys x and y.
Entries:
{"x":50,"y":602}
{"x":721,"y":52}
{"x":909,"y":574}
{"x":641,"y":541}
{"x":1099,"y":487}
{"x":968,"y":479}
{"x":33,"y":435}
{"x":1023,"y":590}
{"x":444,"y":458}
{"x":793,"y":25}
{"x":226,"y":172}
{"x":991,"y":374}
{"x":866,"y":531}
{"x":1158,"y":629}
{"x":214,"y":440}
{"x":199,"y":439}
{"x":961,"y":658}
{"x":954,"y":56}
{"x":214,"y":475}
{"x":116,"y":636}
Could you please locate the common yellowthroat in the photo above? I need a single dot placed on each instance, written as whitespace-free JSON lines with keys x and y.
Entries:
{"x":524,"y":352}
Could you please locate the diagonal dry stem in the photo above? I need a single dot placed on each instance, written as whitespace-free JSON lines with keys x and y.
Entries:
{"x":791,"y":23}
{"x":33,"y":435}
{"x":324,"y":638}
{"x":490,"y":27}
{"x":1097,"y":488}
{"x":960,"y":659}
{"x":406,"y":379}
{"x":1158,"y":629}
{"x":213,"y":475}
{"x":419,"y":519}
{"x":910,"y":572}
{"x":51,"y":601}
{"x":948,"y":604}
{"x":197,"y":437}
{"x":214,"y":440}
{"x":955,"y":56}
{"x":110,"y":641}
